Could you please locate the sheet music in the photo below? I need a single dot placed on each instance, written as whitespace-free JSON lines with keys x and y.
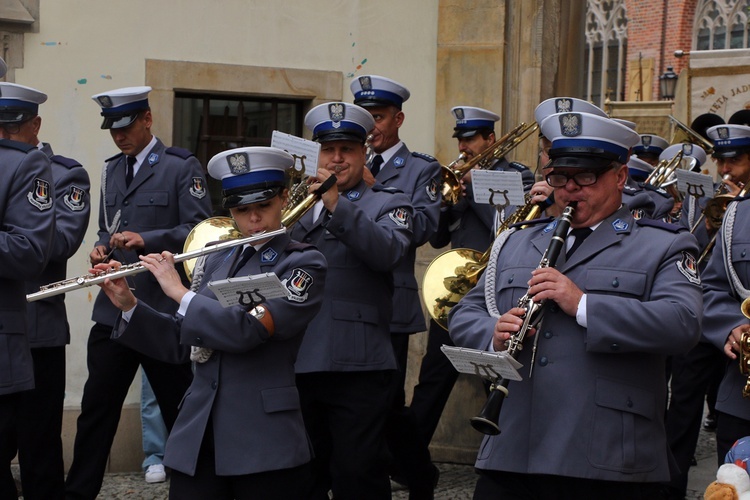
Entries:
{"x":489,"y":365}
{"x":694,"y":184}
{"x":245,"y":290}
{"x":305,"y":152}
{"x":492,"y":186}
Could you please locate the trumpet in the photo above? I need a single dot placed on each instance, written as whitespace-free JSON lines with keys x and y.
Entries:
{"x":486,"y":421}
{"x":714,"y":212}
{"x":719,"y":190}
{"x":453,"y":173}
{"x":289,"y":218}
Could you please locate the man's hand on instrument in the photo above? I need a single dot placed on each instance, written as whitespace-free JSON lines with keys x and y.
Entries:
{"x":117,"y":289}
{"x":98,"y":254}
{"x":547,"y":283}
{"x":732,"y":344}
{"x":128,"y":240}
{"x":508,"y":324}
{"x":162,"y":267}
{"x":331,"y":196}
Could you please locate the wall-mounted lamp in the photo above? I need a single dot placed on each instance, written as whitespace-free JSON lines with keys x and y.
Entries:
{"x":667,"y":84}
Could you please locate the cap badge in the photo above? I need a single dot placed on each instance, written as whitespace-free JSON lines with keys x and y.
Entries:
{"x":563,"y":105}
{"x":646,"y":141}
{"x":687,"y":149}
{"x":336,"y":112}
{"x":239,"y":163}
{"x":571,"y":124}
{"x":459,"y":113}
{"x":104,"y":101}
{"x":365,"y":82}
{"x":723,"y":132}
{"x":268,"y":255}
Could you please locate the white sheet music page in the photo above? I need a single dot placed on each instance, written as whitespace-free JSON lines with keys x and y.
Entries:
{"x":305,"y":152}
{"x":248,"y":290}
{"x":489,"y":365}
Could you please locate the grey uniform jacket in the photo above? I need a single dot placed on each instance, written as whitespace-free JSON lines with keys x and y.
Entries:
{"x":166,"y":198}
{"x":641,"y":204}
{"x":594,"y":407}
{"x":247,"y":386}
{"x":722,"y":308}
{"x":27,"y":219}
{"x":469,"y":224}
{"x":363,"y":241}
{"x":48,"y":318}
{"x":416,"y":175}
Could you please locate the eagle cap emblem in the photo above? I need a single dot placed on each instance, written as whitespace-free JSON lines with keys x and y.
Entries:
{"x":365,"y":82}
{"x":239,"y":163}
{"x":723,"y":132}
{"x":563,"y":105}
{"x":571,"y":124}
{"x":336,"y":111}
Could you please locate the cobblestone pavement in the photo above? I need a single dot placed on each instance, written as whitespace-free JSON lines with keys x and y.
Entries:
{"x":456,"y":480}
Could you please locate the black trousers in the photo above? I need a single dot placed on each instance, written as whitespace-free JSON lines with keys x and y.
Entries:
{"x":411,"y":461}
{"x":692,"y":374}
{"x":8,"y":416}
{"x":112,"y":368}
{"x":437,"y":377}
{"x":493,"y":485}
{"x":285,"y":484}
{"x":345,"y":414}
{"x":40,"y":413}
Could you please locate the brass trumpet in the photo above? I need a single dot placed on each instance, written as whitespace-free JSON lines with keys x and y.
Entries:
{"x":714,"y":212}
{"x":453,"y":173}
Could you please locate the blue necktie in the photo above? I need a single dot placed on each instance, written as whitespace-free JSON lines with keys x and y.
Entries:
{"x":246,"y":254}
{"x":579,"y":234}
{"x":376,"y":163}
{"x":129,"y":170}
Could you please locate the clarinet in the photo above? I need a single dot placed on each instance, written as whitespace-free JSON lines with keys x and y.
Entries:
{"x":486,"y":421}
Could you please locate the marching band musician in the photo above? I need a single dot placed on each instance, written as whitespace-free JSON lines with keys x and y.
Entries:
{"x":698,"y":372}
{"x":417,"y":175}
{"x":152,"y":196}
{"x":346,"y":362}
{"x":40,"y":449}
{"x":27,"y":219}
{"x":239,"y":433}
{"x":724,"y":282}
{"x":465,"y":225}
{"x":590,"y":420}
{"x":650,"y":147}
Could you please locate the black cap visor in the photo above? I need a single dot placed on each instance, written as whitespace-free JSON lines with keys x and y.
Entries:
{"x":119,"y":121}
{"x":729,"y":152}
{"x":372,"y":102}
{"x":340,"y":135}
{"x":8,"y":115}
{"x":463,"y":133}
{"x":584,"y":157}
{"x":251,"y":194}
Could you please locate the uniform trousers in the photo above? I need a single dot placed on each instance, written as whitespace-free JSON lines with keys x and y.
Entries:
{"x":8,"y":416}
{"x":411,"y":461}
{"x":692,"y":374}
{"x":345,"y":414}
{"x":493,"y":485}
{"x":437,"y":376}
{"x":112,"y":368}
{"x":728,"y":430}
{"x":40,"y":413}
{"x":284,"y":484}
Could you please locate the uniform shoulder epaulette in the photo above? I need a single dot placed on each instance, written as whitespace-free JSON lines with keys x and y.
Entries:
{"x":181,"y":152}
{"x":672,"y":228}
{"x":297,"y":246}
{"x":65,"y":161}
{"x":518,"y":166}
{"x":424,"y":156}
{"x":386,"y":189}
{"x":20,"y":146}
{"x":114,"y":157}
{"x":655,"y":190}
{"x":535,"y":222}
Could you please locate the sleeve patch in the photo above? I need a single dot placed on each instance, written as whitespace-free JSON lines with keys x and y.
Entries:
{"x":432,"y":190}
{"x":40,"y":195}
{"x":688,"y":267}
{"x":198,"y":188}
{"x":298,"y":285}
{"x":400,"y":216}
{"x":75,"y":199}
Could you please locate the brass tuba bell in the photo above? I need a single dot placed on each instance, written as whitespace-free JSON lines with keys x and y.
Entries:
{"x":207,"y":231}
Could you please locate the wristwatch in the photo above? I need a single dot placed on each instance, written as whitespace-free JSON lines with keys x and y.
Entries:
{"x":258,"y":312}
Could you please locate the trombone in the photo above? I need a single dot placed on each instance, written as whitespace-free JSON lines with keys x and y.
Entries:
{"x":455,"y":171}
{"x":690,"y":135}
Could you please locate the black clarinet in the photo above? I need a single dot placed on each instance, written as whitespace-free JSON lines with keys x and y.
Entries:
{"x":486,"y":421}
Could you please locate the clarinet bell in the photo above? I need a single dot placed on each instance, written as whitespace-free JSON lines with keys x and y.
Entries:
{"x":486,"y":421}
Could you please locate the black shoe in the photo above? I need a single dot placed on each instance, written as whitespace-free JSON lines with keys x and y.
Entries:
{"x":709,"y":423}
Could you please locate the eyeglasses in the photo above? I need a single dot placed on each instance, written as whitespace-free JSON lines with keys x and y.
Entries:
{"x":585,"y":178}
{"x":13,"y":127}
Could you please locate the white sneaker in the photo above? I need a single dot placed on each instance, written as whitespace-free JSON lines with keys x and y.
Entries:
{"x":156,"y":474}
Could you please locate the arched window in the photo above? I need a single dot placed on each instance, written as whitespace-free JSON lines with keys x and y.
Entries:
{"x":721,"y":24}
{"x":606,"y":50}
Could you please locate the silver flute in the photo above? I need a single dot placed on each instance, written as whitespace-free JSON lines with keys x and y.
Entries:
{"x":86,"y":280}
